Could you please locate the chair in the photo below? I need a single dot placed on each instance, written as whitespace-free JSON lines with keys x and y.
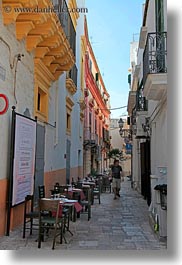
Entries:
{"x":67,"y":215}
{"x":86,"y":204}
{"x":78,"y":185}
{"x":53,"y":222}
{"x":29,"y":215}
{"x":41,"y":191}
{"x":63,"y":190}
{"x":56,"y":188}
{"x":76,"y":196}
{"x":97,"y":190}
{"x":106,"y":184}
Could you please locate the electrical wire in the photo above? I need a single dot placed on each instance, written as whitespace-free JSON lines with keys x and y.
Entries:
{"x":14,"y":86}
{"x":10,"y":54}
{"x":115,"y":108}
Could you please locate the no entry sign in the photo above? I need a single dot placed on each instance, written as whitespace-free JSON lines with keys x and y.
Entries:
{"x":4,"y":104}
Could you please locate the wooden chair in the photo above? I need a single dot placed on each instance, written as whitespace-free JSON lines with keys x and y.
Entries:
{"x":53,"y":222}
{"x":86,"y":204}
{"x":29,"y":215}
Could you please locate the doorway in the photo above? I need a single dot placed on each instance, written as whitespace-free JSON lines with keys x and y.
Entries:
{"x":145,"y":171}
{"x":68,"y":149}
{"x":39,"y":160}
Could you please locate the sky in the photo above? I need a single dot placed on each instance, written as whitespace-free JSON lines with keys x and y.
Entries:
{"x":111,"y":27}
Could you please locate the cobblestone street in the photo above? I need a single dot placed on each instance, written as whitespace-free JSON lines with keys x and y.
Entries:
{"x":120,"y":224}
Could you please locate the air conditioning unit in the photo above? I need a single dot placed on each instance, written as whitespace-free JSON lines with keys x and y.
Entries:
{"x":140,"y":122}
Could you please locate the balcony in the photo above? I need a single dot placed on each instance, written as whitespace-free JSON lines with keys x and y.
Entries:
{"x":71,"y":80}
{"x":90,"y":139}
{"x":155,"y":65}
{"x":141,"y":102}
{"x":67,"y":24}
{"x":143,"y":35}
{"x":131,"y":101}
{"x":106,"y":137}
{"x":141,"y":117}
{"x":43,"y":33}
{"x":93,"y":84}
{"x":135,"y":80}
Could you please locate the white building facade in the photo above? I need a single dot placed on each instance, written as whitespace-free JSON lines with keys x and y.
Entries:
{"x":147,"y":108}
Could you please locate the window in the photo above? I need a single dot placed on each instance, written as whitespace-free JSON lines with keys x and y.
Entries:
{"x":41,"y":104}
{"x":90,"y":119}
{"x":68,"y":122}
{"x":67,"y":24}
{"x":95,"y":125}
{"x":69,"y":106}
{"x":41,"y":90}
{"x":90,"y":65}
{"x":38,"y":101}
{"x":82,"y":74}
{"x":141,"y":101}
{"x":159,"y":11}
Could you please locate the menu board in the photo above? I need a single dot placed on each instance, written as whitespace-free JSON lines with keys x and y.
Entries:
{"x":24,"y":159}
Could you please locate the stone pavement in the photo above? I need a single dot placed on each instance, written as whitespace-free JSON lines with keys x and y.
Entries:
{"x":120,"y":224}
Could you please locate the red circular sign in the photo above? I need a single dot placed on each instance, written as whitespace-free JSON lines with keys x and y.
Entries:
{"x":5,"y":104}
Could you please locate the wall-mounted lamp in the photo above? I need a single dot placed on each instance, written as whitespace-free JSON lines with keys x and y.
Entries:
{"x":125,"y":133}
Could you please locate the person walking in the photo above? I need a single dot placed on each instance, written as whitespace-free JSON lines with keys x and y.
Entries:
{"x":116,"y":178}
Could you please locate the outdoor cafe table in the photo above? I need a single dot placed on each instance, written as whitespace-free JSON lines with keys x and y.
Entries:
{"x":90,"y":183}
{"x":70,"y":203}
{"x":79,"y":191}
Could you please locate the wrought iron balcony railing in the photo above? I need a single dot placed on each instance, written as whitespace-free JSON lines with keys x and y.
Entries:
{"x":106,"y":137}
{"x":67,"y":24}
{"x":89,"y":137}
{"x":73,"y":74}
{"x":141,"y":102}
{"x":155,"y":54}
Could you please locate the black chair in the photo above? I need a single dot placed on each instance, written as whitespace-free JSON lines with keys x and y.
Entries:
{"x":106,"y":184}
{"x":67,"y":212}
{"x":41,"y":191}
{"x":76,"y":196}
{"x":63,"y":190}
{"x":29,"y":215}
{"x":86,"y":204}
{"x":97,"y":190}
{"x":78,"y":185}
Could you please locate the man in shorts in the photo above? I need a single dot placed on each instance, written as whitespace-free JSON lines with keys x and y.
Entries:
{"x":116,"y":178}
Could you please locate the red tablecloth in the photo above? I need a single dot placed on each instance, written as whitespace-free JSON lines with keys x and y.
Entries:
{"x":77,"y":206}
{"x":60,"y":211}
{"x":82,"y":195}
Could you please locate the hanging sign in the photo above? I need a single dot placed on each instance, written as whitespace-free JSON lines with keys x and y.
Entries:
{"x":4,"y":104}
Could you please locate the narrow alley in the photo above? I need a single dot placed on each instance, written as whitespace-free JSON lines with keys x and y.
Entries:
{"x":83,"y":103}
{"x":120,"y":224}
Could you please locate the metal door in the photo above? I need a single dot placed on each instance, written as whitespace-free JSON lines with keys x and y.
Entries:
{"x":145,"y":171}
{"x":68,"y":149}
{"x":39,"y":162}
